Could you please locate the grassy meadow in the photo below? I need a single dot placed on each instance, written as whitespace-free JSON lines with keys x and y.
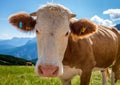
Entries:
{"x":25,"y":75}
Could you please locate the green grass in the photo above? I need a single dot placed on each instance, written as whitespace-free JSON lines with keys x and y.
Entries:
{"x":25,"y":75}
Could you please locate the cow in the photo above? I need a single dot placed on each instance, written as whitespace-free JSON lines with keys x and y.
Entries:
{"x":79,"y":45}
{"x":29,"y":64}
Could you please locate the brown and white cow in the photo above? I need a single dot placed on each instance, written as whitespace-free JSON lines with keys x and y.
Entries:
{"x":77,"y":44}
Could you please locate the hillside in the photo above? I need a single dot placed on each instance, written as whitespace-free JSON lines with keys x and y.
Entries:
{"x":10,"y":60}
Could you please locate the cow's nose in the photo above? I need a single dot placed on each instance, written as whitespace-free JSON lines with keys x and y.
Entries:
{"x":48,"y":70}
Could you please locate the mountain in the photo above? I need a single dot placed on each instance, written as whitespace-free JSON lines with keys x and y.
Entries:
{"x":118,"y":26}
{"x":25,"y":48}
{"x":11,"y":60}
{"x":27,"y":51}
{"x":34,"y":60}
{"x":12,"y":43}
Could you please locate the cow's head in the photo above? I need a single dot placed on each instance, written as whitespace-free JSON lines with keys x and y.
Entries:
{"x":52,"y":26}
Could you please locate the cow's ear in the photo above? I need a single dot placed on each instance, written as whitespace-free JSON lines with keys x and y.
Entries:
{"x":83,"y":27}
{"x":23,"y":21}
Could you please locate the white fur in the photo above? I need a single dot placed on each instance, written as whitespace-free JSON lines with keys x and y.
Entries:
{"x":69,"y":72}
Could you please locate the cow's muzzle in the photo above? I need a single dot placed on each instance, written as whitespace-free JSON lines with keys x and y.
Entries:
{"x":48,"y":70}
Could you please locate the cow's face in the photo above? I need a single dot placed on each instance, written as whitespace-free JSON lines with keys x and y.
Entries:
{"x":52,"y":29}
{"x":52,"y":26}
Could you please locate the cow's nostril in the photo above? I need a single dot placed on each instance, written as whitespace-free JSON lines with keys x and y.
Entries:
{"x":40,"y":70}
{"x":56,"y":71}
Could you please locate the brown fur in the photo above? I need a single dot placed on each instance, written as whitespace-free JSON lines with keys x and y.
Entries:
{"x":86,"y":25}
{"x":99,"y":50}
{"x":116,"y":66}
{"x":116,"y":70}
{"x":27,"y":21}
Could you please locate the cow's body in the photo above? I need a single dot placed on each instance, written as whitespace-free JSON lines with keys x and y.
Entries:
{"x":99,"y":50}
{"x":81,"y":43}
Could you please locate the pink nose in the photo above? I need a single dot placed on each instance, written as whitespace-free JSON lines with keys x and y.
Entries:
{"x":48,"y":70}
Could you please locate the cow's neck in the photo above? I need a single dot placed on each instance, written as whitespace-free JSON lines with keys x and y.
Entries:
{"x":75,"y":52}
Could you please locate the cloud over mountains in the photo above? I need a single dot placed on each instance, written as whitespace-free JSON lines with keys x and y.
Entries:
{"x":113,"y":13}
{"x":100,"y":21}
{"x":114,"y":16}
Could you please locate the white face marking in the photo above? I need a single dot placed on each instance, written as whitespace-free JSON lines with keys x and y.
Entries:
{"x":51,"y":39}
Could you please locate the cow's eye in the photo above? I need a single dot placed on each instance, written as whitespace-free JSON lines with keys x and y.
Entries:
{"x":67,"y":33}
{"x":37,"y":32}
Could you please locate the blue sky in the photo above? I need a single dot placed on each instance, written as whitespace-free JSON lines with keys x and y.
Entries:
{"x":105,"y":12}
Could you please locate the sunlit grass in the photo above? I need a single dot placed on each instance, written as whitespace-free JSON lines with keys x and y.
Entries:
{"x":25,"y":75}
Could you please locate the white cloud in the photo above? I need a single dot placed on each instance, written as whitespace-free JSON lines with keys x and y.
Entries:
{"x":4,"y":36}
{"x":101,"y":21}
{"x":20,"y":35}
{"x":113,"y":13}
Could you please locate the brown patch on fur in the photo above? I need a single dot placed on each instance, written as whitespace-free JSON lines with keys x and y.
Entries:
{"x":83,"y":27}
{"x":27,"y":21}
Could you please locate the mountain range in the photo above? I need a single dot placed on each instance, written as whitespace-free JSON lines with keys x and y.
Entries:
{"x":118,"y":26}
{"x":14,"y":42}
{"x":25,"y":48}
